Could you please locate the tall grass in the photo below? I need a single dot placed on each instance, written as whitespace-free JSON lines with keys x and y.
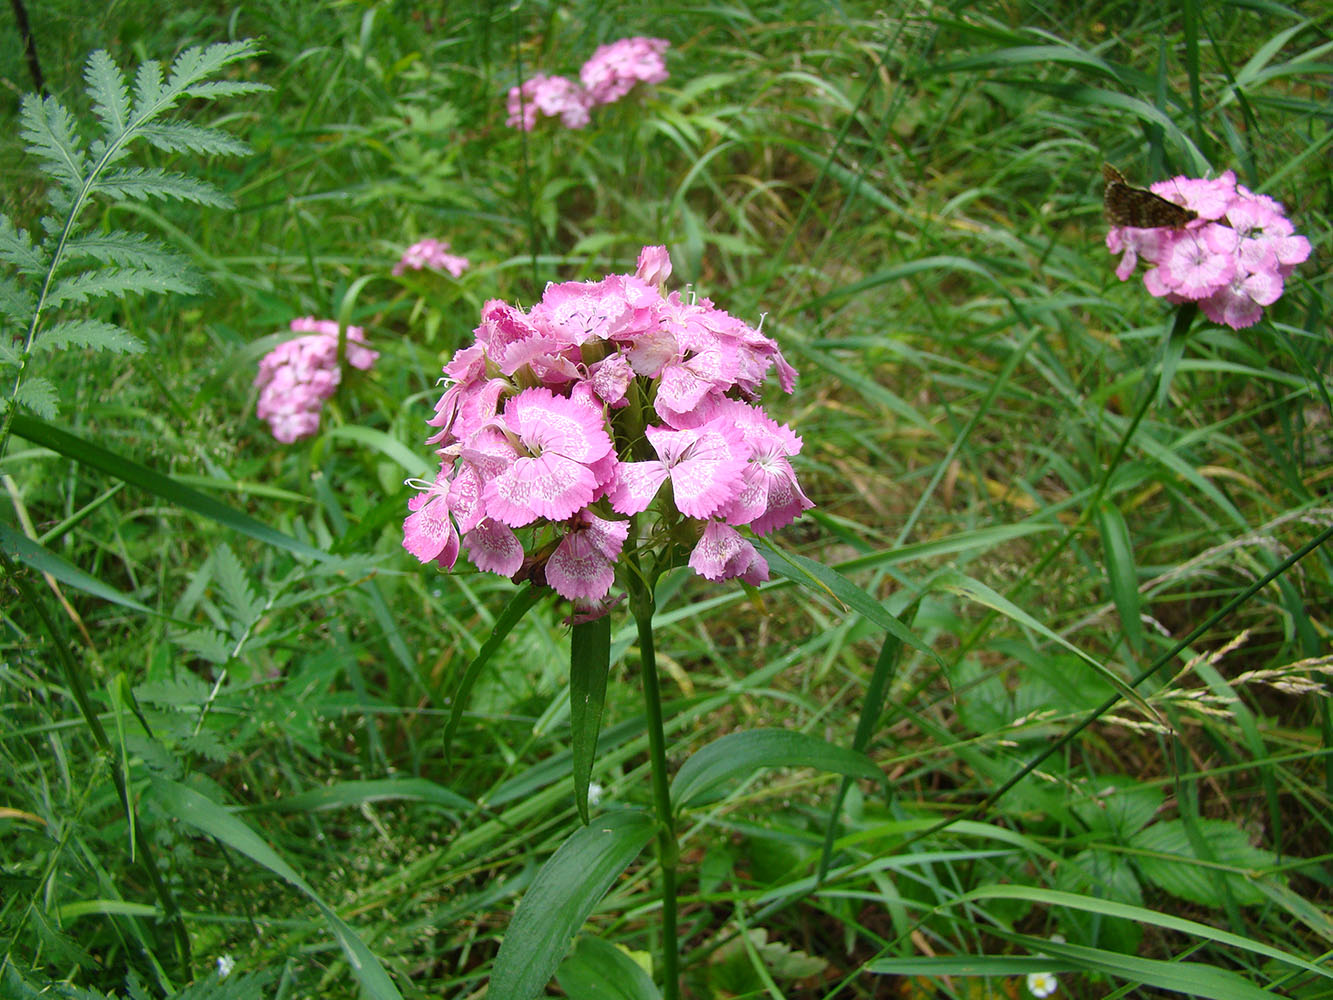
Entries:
{"x":1010,"y":449}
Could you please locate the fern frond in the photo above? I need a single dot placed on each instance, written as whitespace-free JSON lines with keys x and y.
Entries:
{"x":109,"y":91}
{"x":9,"y":358}
{"x":142,"y":183}
{"x":126,"y":250}
{"x":16,"y":248}
{"x":198,"y":62}
{"x":149,"y":98}
{"x":38,"y":395}
{"x":48,"y":132}
{"x":206,"y":643}
{"x":226,"y":88}
{"x":119,"y":282}
{"x":180,"y":137}
{"x":237,"y":593}
{"x":16,"y":302}
{"x":93,"y":333}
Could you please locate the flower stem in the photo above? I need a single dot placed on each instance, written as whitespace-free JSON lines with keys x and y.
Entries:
{"x":668,"y":850}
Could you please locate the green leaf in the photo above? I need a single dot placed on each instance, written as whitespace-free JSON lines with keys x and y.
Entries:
{"x":519,"y":605}
{"x":91,"y":333}
{"x":739,"y":754}
{"x":589,"y":663}
{"x":38,"y":395}
{"x":188,"y":806}
{"x":96,"y":457}
{"x":117,"y":282}
{"x":110,"y":93}
{"x":598,"y":970}
{"x":388,"y":446}
{"x":1170,"y":862}
{"x":142,"y":183}
{"x":346,"y":794}
{"x":560,"y":899}
{"x":1121,"y":574}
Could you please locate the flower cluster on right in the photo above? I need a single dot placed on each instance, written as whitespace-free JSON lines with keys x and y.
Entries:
{"x":611,"y":73}
{"x":1232,"y":259}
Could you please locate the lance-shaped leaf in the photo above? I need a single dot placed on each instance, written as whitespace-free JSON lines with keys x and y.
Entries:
{"x":589,"y":663}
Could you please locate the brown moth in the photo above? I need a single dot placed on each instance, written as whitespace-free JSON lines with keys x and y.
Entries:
{"x":1140,"y":208}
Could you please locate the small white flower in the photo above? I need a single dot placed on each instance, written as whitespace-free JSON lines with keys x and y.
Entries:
{"x":1042,"y":984}
{"x":225,"y":965}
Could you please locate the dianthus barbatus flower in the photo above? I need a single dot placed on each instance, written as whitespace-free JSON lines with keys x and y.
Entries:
{"x":297,"y":376}
{"x":433,"y":254}
{"x":608,"y":418}
{"x":615,"y":69}
{"x":1232,"y":258}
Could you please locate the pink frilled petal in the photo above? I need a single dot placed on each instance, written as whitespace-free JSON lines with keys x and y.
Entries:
{"x":635,"y":485}
{"x":550,"y":486}
{"x":1195,"y":266}
{"x":1232,"y":307}
{"x":547,"y":423}
{"x":1208,"y":198}
{"x":582,"y":567}
{"x":578,"y":311}
{"x":610,"y":379}
{"x":494,"y":548}
{"x":723,"y":554}
{"x":654,"y":266}
{"x":706,"y":465}
{"x":428,"y":532}
{"x":465,"y":497}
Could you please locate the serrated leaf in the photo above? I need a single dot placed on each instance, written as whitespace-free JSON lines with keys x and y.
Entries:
{"x":1170,"y":862}
{"x":8,"y":356}
{"x":126,"y":250}
{"x":49,"y":133}
{"x":183,"y":691}
{"x":109,"y":91}
{"x":182,"y":137}
{"x":237,"y":592}
{"x":143,"y":183}
{"x":89,"y":333}
{"x":740,"y":754}
{"x":560,"y":899}
{"x":17,"y":249}
{"x":149,"y":98}
{"x":206,"y":643}
{"x":207,"y":744}
{"x":39,"y":396}
{"x":16,"y":302}
{"x":119,"y":282}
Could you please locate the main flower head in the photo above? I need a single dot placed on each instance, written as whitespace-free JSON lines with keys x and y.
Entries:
{"x":1231,"y":259}
{"x":608,"y":415}
{"x":297,"y":376}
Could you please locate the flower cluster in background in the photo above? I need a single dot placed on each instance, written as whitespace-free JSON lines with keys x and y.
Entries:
{"x":298,"y":375}
{"x":604,"y":400}
{"x":433,"y":254}
{"x":612,"y":72}
{"x":1232,"y":259}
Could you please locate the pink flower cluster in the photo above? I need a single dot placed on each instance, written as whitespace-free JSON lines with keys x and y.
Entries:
{"x":1232,"y":259}
{"x":611,"y":73}
{"x":433,"y":254}
{"x":298,"y":375}
{"x":604,"y":400}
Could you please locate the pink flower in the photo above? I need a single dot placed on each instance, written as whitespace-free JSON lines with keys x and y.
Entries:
{"x":614,"y":69}
{"x":551,"y":96}
{"x":1232,"y":259}
{"x":549,"y":419}
{"x":433,"y":254}
{"x":297,"y":376}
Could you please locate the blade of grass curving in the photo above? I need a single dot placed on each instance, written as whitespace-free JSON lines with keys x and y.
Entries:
{"x":43,"y":560}
{"x":519,"y":605}
{"x":589,"y":664}
{"x":211,"y":819}
{"x":1121,"y":574}
{"x":347,"y":794}
{"x":739,"y":754}
{"x":94,"y":456}
{"x":561,"y":897}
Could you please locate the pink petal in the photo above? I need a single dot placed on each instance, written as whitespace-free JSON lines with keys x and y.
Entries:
{"x":549,"y":486}
{"x":636,"y":484}
{"x":494,"y":548}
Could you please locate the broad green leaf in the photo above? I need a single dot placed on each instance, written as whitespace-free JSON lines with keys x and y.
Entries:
{"x":43,"y":560}
{"x":589,"y":663}
{"x":211,"y":819}
{"x":740,"y":754}
{"x":597,"y":970}
{"x":562,"y":895}
{"x":96,"y":457}
{"x":1170,"y":862}
{"x":1121,"y":574}
{"x":390,"y":447}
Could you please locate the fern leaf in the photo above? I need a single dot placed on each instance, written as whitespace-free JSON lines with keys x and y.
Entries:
{"x":237,"y":593}
{"x":48,"y":132}
{"x":16,"y":248}
{"x":16,"y":302}
{"x":198,"y":62}
{"x":142,"y":183}
{"x":206,"y":643}
{"x":119,"y":282}
{"x":91,"y":333}
{"x":9,"y":357}
{"x":126,"y":250}
{"x":180,"y":137}
{"x":207,"y":744}
{"x":186,"y":691}
{"x":225,"y":88}
{"x":111,"y":96}
{"x":149,"y":99}
{"x":38,"y":395}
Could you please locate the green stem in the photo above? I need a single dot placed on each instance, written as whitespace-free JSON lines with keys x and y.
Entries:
{"x":668,"y":849}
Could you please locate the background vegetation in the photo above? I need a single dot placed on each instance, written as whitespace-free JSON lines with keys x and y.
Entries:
{"x":911,"y":194}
